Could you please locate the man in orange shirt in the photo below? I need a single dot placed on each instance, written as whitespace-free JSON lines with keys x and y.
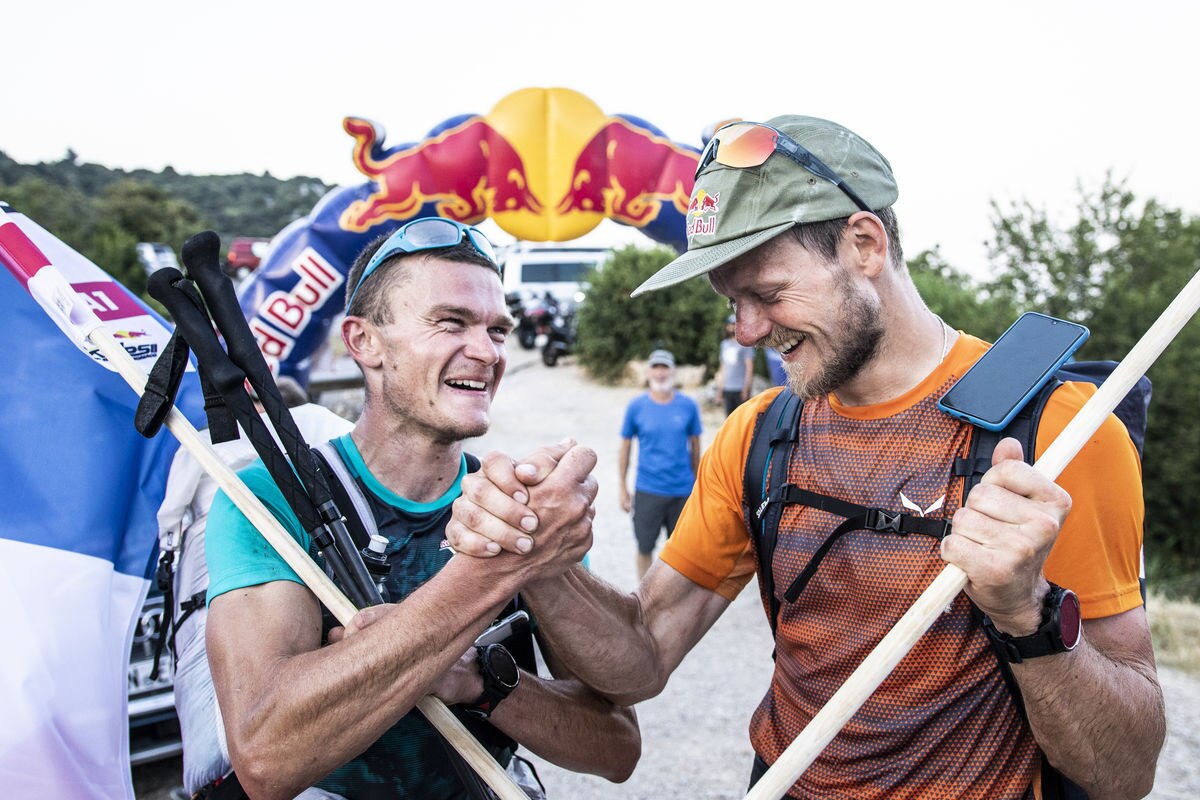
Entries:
{"x":801,"y":237}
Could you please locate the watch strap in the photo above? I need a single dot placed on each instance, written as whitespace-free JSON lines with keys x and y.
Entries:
{"x":1046,"y":640}
{"x":494,"y":689}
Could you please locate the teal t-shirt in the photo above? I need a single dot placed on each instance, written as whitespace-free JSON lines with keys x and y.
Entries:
{"x":409,"y":760}
{"x":238,"y":556}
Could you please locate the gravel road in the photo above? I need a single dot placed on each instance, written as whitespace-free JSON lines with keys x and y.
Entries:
{"x":694,"y":735}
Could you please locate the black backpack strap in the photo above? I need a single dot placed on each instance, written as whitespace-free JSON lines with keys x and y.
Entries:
{"x":857,"y":518}
{"x":1023,"y":428}
{"x":775,"y":433}
{"x":347,"y":494}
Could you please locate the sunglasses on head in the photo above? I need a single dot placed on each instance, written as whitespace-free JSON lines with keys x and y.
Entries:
{"x":750,"y":144}
{"x":431,"y":233}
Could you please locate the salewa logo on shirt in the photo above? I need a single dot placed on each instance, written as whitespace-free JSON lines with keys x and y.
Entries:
{"x":909,"y":504}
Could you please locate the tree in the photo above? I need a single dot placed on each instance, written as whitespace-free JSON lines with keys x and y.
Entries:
{"x":957,"y":298}
{"x":132,"y":212}
{"x":1115,"y":269}
{"x":615,"y":328}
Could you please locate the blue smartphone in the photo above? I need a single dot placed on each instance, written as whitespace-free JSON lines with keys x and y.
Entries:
{"x":1022,"y":360}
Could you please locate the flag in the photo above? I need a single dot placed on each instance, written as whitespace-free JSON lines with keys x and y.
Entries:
{"x":78,"y":535}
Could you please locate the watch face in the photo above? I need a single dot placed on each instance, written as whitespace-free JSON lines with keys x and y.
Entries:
{"x":502,"y":664}
{"x":1069,"y":619}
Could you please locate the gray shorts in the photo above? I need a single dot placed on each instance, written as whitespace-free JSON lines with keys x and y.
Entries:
{"x":651,"y":514}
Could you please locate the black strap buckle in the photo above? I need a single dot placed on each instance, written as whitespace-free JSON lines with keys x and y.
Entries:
{"x":879,"y":520}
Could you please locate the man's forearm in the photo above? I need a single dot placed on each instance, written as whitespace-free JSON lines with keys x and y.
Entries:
{"x":568,"y":725}
{"x":348,"y":694}
{"x":1098,"y":717}
{"x":623,"y":464}
{"x":599,"y":634}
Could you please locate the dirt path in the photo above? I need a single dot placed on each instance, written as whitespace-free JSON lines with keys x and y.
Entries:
{"x":694,"y":735}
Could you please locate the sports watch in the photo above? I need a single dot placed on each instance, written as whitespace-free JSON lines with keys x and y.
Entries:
{"x":500,"y":676}
{"x":1059,"y":632}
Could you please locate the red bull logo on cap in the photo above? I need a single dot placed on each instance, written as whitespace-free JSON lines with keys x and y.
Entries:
{"x":703,"y":203}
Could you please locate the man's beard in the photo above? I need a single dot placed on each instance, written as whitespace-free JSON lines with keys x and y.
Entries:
{"x":663,"y":386}
{"x":862,"y":330}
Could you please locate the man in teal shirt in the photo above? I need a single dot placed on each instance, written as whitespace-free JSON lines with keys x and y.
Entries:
{"x":426,"y":321}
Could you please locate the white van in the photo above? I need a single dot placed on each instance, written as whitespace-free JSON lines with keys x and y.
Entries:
{"x":533,"y":268}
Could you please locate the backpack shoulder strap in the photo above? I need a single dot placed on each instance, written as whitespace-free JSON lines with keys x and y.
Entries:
{"x":775,"y":433}
{"x":1023,"y":428}
{"x":351,"y":501}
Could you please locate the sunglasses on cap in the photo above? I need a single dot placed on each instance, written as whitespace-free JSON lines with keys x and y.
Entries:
{"x":431,"y":233}
{"x":750,"y":144}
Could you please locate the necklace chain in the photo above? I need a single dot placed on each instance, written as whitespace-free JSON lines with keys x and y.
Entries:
{"x":945,"y":338}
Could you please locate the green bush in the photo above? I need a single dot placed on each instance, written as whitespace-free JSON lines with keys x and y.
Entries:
{"x":615,"y":328}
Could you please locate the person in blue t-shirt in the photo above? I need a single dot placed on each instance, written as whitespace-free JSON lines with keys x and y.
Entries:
{"x":775,"y":366}
{"x":667,"y":427}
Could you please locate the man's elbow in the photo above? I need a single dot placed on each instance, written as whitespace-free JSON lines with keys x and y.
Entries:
{"x":627,"y":757}
{"x":260,"y":773}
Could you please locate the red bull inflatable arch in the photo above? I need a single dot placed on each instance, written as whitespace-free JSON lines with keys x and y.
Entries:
{"x":544,"y":164}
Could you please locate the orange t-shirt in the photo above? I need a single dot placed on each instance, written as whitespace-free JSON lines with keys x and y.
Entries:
{"x":943,"y":724}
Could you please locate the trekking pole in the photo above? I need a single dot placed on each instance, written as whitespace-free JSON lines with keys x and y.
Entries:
{"x":79,"y":323}
{"x":180,"y":298}
{"x":823,"y":727}
{"x":201,"y":256}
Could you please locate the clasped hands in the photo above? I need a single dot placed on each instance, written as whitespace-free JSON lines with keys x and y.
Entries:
{"x":541,"y":508}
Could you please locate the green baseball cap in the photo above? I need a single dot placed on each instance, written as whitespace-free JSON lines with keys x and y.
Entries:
{"x":735,"y":210}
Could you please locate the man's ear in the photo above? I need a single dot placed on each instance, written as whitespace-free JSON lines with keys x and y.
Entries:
{"x":867,"y":243}
{"x":362,"y":341}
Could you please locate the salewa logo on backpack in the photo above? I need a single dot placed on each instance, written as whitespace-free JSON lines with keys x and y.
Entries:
{"x":916,"y":509}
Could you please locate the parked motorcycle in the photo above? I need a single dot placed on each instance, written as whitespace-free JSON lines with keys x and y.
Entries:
{"x":535,"y":319}
{"x":560,"y":341}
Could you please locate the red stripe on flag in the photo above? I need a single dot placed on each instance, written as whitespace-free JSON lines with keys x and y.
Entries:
{"x":21,"y":256}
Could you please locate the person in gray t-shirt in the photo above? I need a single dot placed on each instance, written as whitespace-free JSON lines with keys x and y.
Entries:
{"x":736,"y":371}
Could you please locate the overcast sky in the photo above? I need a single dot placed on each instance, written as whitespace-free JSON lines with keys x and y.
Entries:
{"x":969,"y":101}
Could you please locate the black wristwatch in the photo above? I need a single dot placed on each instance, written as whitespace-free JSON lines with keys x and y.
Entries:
{"x":500,"y":676}
{"x":1059,"y":632}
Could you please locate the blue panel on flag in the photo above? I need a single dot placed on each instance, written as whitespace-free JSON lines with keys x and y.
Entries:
{"x":77,"y":475}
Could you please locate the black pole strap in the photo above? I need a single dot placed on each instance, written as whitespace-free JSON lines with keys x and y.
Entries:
{"x":171,"y":289}
{"x":201,"y":255}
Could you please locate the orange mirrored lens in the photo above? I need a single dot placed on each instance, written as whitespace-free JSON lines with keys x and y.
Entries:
{"x":744,"y":145}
